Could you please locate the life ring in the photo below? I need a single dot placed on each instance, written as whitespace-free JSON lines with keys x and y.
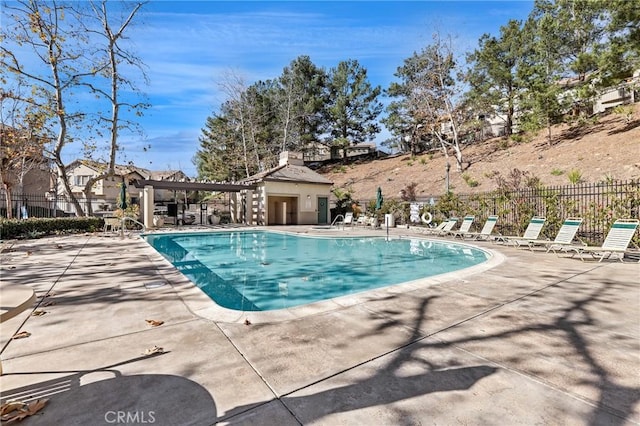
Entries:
{"x":426,"y":220}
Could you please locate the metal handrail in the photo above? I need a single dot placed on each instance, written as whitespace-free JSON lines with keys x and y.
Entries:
{"x":124,"y":219}
{"x":336,"y":219}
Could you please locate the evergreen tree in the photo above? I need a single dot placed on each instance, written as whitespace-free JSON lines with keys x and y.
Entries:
{"x":492,"y":78}
{"x":301,"y":101}
{"x":220,"y":155}
{"x":619,"y":51}
{"x":353,"y":105}
{"x":540,"y":68}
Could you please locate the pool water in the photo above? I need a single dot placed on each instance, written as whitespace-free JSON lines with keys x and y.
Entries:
{"x":262,"y":270}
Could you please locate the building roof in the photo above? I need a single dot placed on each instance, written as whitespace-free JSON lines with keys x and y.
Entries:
{"x":126,"y":170}
{"x":166,"y":174}
{"x":289,"y":173}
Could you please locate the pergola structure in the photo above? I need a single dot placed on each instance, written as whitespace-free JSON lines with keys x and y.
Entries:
{"x":147,"y":187}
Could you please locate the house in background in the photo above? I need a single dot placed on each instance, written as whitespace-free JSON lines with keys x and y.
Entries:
{"x":25,"y":172}
{"x":163,"y":196}
{"x":105,"y":192}
{"x":290,"y":194}
{"x":626,"y":92}
{"x":319,"y":152}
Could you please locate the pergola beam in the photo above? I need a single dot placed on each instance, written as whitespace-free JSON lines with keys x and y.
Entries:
{"x":192,"y":186}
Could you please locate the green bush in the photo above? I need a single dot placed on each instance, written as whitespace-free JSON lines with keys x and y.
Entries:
{"x":39,"y":227}
{"x":557,"y":172}
{"x":470,"y":181}
{"x":575,"y":176}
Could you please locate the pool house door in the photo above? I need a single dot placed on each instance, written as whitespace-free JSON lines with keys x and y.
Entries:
{"x":323,"y":203}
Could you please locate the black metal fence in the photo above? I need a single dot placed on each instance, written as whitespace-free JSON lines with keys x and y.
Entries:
{"x":45,"y":205}
{"x":599,"y":205}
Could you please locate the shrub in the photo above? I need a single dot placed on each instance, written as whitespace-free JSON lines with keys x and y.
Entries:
{"x":39,"y":227}
{"x":470,"y":181}
{"x":557,"y":172}
{"x":625,"y":111}
{"x":575,"y":176}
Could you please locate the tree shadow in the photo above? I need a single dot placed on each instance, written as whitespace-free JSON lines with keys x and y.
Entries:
{"x":627,"y":127}
{"x":388,"y":385}
{"x":614,"y":405}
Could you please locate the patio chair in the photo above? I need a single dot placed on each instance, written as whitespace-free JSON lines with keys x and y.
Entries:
{"x":565,"y":236}
{"x":465,"y":226}
{"x":531,"y":233}
{"x":616,"y":242}
{"x":486,"y":231}
{"x":112,"y":224}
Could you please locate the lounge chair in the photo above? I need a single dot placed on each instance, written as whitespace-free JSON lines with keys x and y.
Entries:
{"x":438,"y":228}
{"x":364,"y":220}
{"x":565,"y":236}
{"x":348,"y":219}
{"x":465,"y":226}
{"x":616,"y":242}
{"x":486,"y":231}
{"x":531,"y":233}
{"x":446,"y":228}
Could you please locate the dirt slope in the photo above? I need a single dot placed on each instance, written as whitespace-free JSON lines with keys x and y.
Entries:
{"x":608,"y":149}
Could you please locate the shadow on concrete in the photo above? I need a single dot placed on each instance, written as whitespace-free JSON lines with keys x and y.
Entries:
{"x":105,"y":396}
{"x":388,"y":385}
{"x":614,"y":404}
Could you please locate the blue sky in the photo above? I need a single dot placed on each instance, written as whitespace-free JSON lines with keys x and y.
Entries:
{"x":189,"y":46}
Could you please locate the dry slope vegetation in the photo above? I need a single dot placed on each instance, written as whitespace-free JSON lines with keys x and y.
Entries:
{"x":607,"y":149}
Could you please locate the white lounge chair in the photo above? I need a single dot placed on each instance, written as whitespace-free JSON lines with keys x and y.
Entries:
{"x":565,"y":236}
{"x":465,"y":227}
{"x":486,"y":231}
{"x":531,"y":233}
{"x":446,"y":228}
{"x":616,"y":242}
{"x":348,"y":219}
{"x":438,"y":228}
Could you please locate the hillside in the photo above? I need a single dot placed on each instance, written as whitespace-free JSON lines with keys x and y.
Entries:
{"x":609,"y":148}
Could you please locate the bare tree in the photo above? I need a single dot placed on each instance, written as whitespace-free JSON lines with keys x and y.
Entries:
{"x":438,"y":96}
{"x":113,"y":55}
{"x":64,"y":39}
{"x":234,"y":87}
{"x":48,"y":31}
{"x":427,"y":93}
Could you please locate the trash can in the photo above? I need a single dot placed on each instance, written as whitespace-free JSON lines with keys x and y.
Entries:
{"x":389,"y":221}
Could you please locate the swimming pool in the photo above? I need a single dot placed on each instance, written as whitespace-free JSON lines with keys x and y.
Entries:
{"x":263,"y":270}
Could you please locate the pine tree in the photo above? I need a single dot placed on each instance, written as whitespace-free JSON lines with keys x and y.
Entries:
{"x":353,"y":105}
{"x":493,"y":81}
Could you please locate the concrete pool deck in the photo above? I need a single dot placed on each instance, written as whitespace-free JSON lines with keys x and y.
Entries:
{"x":537,"y":339}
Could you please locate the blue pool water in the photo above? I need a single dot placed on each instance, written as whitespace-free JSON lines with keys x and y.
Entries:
{"x":262,"y":270}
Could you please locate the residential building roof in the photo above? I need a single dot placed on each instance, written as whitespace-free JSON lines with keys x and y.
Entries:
{"x":127,"y":169}
{"x":289,"y":173}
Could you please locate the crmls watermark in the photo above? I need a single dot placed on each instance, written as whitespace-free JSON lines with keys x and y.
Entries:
{"x":130,"y":417}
